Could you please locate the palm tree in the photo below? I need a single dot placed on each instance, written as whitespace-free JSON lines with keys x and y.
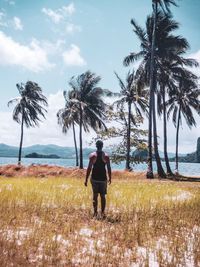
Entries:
{"x":164,"y":4}
{"x":169,"y":69}
{"x":182,"y":102}
{"x":156,"y":4}
{"x":86,"y":98}
{"x":67,"y":117}
{"x":144,"y":73}
{"x":131,"y":94}
{"x":28,"y":108}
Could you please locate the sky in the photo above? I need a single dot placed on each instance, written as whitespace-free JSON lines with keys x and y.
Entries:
{"x":50,"y":41}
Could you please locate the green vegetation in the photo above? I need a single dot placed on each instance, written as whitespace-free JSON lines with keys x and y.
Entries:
{"x":47,"y":222}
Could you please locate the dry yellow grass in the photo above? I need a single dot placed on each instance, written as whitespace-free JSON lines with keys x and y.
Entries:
{"x":48,"y":222}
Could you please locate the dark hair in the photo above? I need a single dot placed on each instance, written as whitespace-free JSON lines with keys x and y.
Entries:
{"x":99,"y":144}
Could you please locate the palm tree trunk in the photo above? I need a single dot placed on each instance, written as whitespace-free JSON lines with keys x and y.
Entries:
{"x":75,"y":143}
{"x":160,"y":169}
{"x":169,"y":171}
{"x":80,"y":139}
{"x":177,"y":136}
{"x":21,"y":139}
{"x":128,"y":138}
{"x":150,"y":166}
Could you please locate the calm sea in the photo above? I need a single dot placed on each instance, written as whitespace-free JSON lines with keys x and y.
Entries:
{"x":191,"y":169}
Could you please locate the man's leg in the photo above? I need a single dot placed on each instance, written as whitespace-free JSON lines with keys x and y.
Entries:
{"x":103,"y":203}
{"x":95,"y":203}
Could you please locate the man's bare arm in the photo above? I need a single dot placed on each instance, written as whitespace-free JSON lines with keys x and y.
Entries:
{"x":109,"y":170}
{"x":89,"y":168}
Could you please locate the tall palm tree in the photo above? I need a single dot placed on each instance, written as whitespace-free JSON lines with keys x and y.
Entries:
{"x":67,"y":118}
{"x":131,"y":94}
{"x":86,"y":98}
{"x":182,"y":102}
{"x":164,"y":5}
{"x":163,"y":40}
{"x":28,"y":109}
{"x":156,"y":4}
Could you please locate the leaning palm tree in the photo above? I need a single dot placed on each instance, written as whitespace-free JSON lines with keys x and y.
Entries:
{"x":29,"y":108}
{"x":182,"y":102}
{"x":86,"y":98}
{"x":131,"y":94}
{"x":67,"y":118}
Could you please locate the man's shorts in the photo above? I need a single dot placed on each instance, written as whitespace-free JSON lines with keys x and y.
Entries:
{"x":99,"y":187}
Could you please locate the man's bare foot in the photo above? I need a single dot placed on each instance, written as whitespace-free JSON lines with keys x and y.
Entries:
{"x":95,"y":214}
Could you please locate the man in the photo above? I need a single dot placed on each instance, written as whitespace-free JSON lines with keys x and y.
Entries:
{"x":98,"y":161}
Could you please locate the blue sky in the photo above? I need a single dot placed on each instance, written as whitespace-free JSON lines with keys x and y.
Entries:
{"x":50,"y":41}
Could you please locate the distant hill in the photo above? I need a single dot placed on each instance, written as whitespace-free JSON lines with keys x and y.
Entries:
{"x":62,"y":152}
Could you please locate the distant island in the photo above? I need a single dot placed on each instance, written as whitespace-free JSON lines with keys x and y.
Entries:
{"x":36,"y":155}
{"x":193,"y":157}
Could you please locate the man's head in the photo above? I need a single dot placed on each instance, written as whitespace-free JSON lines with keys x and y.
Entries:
{"x":99,"y":144}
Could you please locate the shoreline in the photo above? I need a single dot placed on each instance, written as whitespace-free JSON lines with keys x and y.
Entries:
{"x":45,"y":170}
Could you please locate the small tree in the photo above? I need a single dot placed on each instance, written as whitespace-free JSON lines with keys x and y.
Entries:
{"x":134,"y":96}
{"x":119,"y":136}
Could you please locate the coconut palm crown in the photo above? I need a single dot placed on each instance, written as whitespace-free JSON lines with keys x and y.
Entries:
{"x":86,"y":99}
{"x":29,"y":107}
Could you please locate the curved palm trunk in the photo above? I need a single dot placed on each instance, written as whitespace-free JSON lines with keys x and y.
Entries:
{"x":21,"y":140}
{"x":177,"y":137}
{"x":80,"y":139}
{"x":128,"y":138}
{"x":160,"y":169}
{"x":150,"y":166}
{"x":169,"y":171}
{"x":75,"y":144}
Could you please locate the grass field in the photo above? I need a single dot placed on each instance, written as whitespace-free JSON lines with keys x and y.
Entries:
{"x":48,"y":222}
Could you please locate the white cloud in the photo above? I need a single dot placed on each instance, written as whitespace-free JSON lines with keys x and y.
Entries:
{"x":17,"y":24}
{"x":68,"y":10}
{"x":60,"y":14}
{"x":71,"y":28}
{"x":53,"y":15}
{"x":72,"y":56}
{"x":31,"y":57}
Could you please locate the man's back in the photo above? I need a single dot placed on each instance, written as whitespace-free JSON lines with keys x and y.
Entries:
{"x":99,"y":162}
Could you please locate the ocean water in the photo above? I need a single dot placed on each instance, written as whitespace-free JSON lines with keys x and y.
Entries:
{"x":192,"y":169}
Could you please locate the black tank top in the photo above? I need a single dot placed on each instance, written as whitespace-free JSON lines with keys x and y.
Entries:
{"x":99,"y":170}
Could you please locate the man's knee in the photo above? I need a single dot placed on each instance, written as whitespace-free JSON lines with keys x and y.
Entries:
{"x":103,"y":196}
